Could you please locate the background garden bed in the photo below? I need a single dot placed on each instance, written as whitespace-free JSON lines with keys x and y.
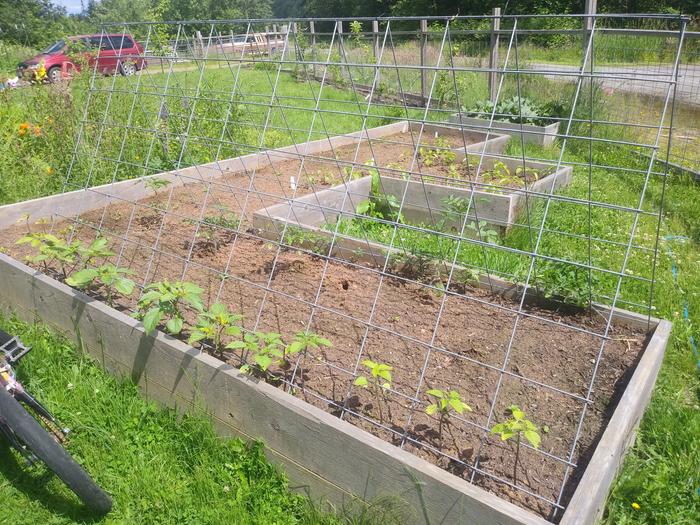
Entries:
{"x":528,"y":133}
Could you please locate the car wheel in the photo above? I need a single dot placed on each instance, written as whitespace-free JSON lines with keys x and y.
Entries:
{"x":54,"y":74}
{"x":127,"y":68}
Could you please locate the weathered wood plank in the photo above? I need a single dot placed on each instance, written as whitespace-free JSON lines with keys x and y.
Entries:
{"x":588,"y":502}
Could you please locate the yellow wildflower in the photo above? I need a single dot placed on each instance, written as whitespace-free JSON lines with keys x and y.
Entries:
{"x":37,"y":131}
{"x":636,"y":506}
{"x":49,"y":170}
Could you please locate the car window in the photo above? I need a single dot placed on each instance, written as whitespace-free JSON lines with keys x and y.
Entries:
{"x":121,"y":42}
{"x":239,"y":39}
{"x":99,"y":42}
{"x":54,"y":48}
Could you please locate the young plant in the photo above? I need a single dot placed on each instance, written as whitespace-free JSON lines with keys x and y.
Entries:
{"x":108,"y":276}
{"x":302,"y":342}
{"x":156,"y":183}
{"x":215,"y":323}
{"x":265,"y":347}
{"x":518,"y":427}
{"x":481,"y":230}
{"x":378,"y":383}
{"x":52,"y":248}
{"x":163,"y":300}
{"x":97,"y":249}
{"x":379,"y":204}
{"x":444,"y":403}
{"x":440,"y":153}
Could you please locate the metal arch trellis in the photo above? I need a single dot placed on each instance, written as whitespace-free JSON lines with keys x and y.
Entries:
{"x":256,"y":110}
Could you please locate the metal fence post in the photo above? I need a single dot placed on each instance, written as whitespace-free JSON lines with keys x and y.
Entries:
{"x":590,"y":9}
{"x":493,"y":57}
{"x":375,"y":47}
{"x":424,"y":60}
{"x":312,"y":32}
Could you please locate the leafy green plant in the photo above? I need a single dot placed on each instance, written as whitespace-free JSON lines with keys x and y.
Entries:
{"x":518,"y":427}
{"x":164,"y":299}
{"x":265,"y":348}
{"x":302,"y":342}
{"x":300,"y":237}
{"x":379,"y":204}
{"x":519,"y":110}
{"x":214,"y":324}
{"x":445,"y":402}
{"x":482,"y":231}
{"x":108,"y":276}
{"x":378,"y":383}
{"x":356,"y":32}
{"x":156,"y":183}
{"x":440,"y":153}
{"x":97,"y":249}
{"x":52,"y":248}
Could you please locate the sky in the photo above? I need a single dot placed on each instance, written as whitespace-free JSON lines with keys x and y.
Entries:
{"x":72,"y":6}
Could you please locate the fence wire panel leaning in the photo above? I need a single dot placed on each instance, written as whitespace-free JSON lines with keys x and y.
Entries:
{"x":421,"y":226}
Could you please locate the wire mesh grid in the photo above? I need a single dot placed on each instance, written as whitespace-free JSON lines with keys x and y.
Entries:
{"x":441,"y":197}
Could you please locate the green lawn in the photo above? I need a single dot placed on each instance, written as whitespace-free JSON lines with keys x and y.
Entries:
{"x":158,"y":467}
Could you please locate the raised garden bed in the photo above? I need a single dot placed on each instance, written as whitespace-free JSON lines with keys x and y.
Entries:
{"x":499,"y":199}
{"x":528,"y":133}
{"x":379,"y":448}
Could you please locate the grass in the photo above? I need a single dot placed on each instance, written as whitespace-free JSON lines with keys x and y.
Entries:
{"x":159,"y":467}
{"x":661,"y":473}
{"x":39,"y":124}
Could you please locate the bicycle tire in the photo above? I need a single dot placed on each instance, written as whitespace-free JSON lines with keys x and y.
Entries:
{"x":45,"y":447}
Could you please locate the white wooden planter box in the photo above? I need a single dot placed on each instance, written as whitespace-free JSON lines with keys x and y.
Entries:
{"x":477,"y":141}
{"x":497,"y":209}
{"x":542,"y":135}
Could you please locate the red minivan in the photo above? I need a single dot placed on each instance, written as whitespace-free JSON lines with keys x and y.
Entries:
{"x":111,"y":53}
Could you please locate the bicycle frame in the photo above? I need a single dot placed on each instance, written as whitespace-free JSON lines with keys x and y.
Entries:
{"x":11,"y":351}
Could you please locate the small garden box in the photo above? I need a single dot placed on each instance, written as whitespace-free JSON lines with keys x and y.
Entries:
{"x":542,"y":135}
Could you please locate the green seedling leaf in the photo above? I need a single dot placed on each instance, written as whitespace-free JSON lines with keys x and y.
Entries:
{"x":174,"y":325}
{"x":151,"y":319}
{"x":361,"y":381}
{"x":82,"y":278}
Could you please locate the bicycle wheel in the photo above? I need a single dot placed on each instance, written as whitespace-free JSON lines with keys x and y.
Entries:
{"x":45,"y":447}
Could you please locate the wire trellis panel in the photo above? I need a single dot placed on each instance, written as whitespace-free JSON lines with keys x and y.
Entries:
{"x":312,"y":175}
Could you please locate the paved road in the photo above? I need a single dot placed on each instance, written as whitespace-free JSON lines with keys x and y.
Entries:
{"x":650,"y":80}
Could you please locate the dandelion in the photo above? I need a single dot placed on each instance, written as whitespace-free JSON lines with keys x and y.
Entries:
{"x":49,"y":170}
{"x":636,"y":506}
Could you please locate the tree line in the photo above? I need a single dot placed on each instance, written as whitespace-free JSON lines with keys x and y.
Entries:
{"x":35,"y":23}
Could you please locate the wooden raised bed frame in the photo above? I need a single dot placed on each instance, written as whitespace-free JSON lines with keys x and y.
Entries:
{"x":331,"y":458}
